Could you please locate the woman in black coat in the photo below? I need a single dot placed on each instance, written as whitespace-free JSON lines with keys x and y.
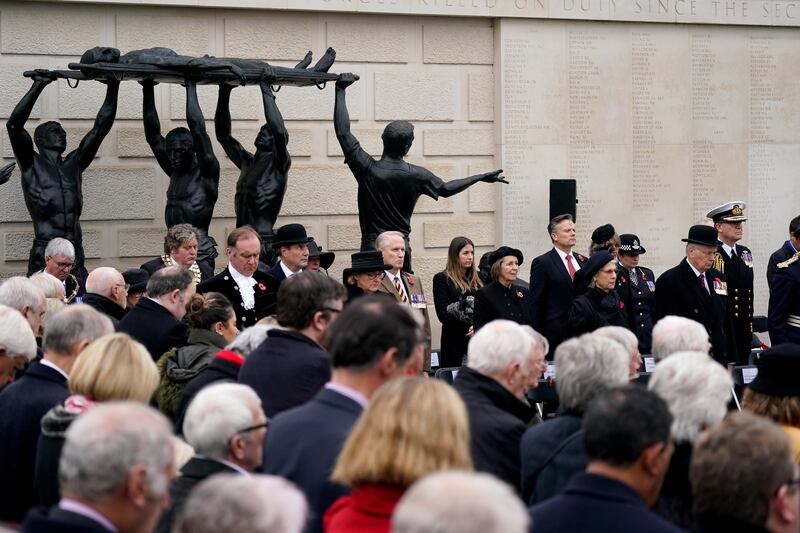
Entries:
{"x":600,"y":305}
{"x":454,"y":298}
{"x":501,"y":299}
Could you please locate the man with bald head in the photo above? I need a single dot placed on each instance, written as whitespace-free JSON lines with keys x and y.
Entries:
{"x":107,"y":292}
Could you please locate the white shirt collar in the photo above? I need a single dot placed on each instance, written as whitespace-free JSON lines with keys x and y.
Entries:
{"x":286,"y":270}
{"x":238,"y":276}
{"x":52,"y":365}
{"x":728,"y":249}
{"x":697,"y":273}
{"x":563,"y":256}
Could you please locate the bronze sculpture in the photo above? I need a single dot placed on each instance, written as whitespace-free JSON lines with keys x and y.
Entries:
{"x":5,"y":172}
{"x":388,"y":189}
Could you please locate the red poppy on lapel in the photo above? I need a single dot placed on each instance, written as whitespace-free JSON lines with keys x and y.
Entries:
{"x":262,"y":286}
{"x":621,"y":304}
{"x":519,"y":294}
{"x":410,"y":280}
{"x":622,"y":279}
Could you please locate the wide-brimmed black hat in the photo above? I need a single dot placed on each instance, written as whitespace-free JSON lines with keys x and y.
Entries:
{"x":603,"y":234}
{"x":629,"y":244}
{"x":778,"y":369}
{"x":291,"y":234}
{"x":370,"y":261}
{"x":502,"y":252}
{"x":597,"y":261}
{"x":701,"y":234}
{"x":325,"y":258}
{"x":137,"y":279}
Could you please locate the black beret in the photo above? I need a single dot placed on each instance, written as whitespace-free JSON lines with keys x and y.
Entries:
{"x":597,"y":261}
{"x":603,"y":234}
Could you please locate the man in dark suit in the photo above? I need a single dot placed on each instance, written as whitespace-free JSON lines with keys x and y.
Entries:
{"x":789,"y":248}
{"x":552,"y":282}
{"x":291,"y":244}
{"x":374,"y":340}
{"x":180,"y":249}
{"x":251,"y":292}
{"x":636,"y":286}
{"x":695,"y":290}
{"x":107,"y":292}
{"x":156,"y":319}
{"x":116,"y":466}
{"x":26,"y":400}
{"x":628,"y":444}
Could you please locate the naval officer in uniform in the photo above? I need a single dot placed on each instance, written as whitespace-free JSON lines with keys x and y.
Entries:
{"x":784,"y":302}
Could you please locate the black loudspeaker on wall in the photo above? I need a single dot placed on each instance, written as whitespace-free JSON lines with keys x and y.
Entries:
{"x":563,"y":198}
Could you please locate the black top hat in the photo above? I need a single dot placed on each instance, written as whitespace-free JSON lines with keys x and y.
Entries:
{"x":701,"y":234}
{"x":603,"y":234}
{"x":325,"y":258}
{"x":137,"y":279}
{"x":778,"y":369}
{"x":597,"y":261}
{"x":291,"y":234}
{"x":629,"y":244}
{"x":369,"y":261}
{"x":502,"y":252}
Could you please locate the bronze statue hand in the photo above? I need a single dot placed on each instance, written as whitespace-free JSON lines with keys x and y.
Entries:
{"x":346,"y":80}
{"x":5,"y":172}
{"x":43,"y":75}
{"x":494,"y":177}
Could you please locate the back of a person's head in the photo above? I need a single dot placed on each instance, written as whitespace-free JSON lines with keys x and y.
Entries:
{"x":697,"y":390}
{"x":302,"y":295}
{"x":249,"y":339}
{"x":102,"y":279}
{"x":19,"y":292}
{"x":216,"y":414}
{"x":673,"y":334}
{"x":228,"y":503}
{"x":165,"y":280}
{"x":369,"y":327}
{"x":738,"y":467}
{"x":624,"y":336}
{"x":412,"y":427}
{"x":205,"y":310}
{"x":16,"y":337}
{"x":50,"y":285}
{"x":72,"y":325}
{"x":103,"y":446}
{"x":497,"y":345}
{"x":460,"y":502}
{"x":621,"y":423}
{"x":114,"y":367}
{"x":588,"y":365}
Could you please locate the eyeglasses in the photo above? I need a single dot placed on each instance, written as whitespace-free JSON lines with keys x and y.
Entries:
{"x":63,"y":265}
{"x":253,"y":428}
{"x":374,"y":275}
{"x":127,"y":286}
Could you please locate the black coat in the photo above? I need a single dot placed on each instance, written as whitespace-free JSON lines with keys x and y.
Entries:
{"x":455,"y":313}
{"x":599,"y":504}
{"x":302,"y":445}
{"x":266,"y":293}
{"x":675,"y":501}
{"x":193,"y":472}
{"x":106,"y":306}
{"x":784,"y":305}
{"x":57,"y":520}
{"x":552,"y":292}
{"x":680,"y":293}
{"x":497,"y":301}
{"x":639,"y":303}
{"x":739,"y":278}
{"x":594,"y":310}
{"x":206,"y":271}
{"x":224,"y":368}
{"x":778,"y":256}
{"x":551,"y":453}
{"x":22,"y":405}
{"x":286,"y":370}
{"x":497,"y":420}
{"x":155,"y":327}
{"x":277,"y":273}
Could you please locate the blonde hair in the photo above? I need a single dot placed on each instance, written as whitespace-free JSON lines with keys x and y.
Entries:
{"x":114,"y":367}
{"x":412,"y":427}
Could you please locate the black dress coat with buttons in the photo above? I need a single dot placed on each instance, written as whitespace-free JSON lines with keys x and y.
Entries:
{"x":497,"y":301}
{"x":594,"y":310}
{"x":266,"y":291}
{"x":739,"y":277}
{"x":639,"y":303}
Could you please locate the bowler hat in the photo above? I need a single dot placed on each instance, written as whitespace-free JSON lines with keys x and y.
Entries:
{"x":702,"y":234}
{"x":502,"y":252}
{"x":291,"y":234}
{"x":603,"y":234}
{"x":597,"y":261}
{"x":325,"y":258}
{"x":137,"y":279}
{"x":778,"y":369}
{"x":629,"y":244}
{"x":369,"y":261}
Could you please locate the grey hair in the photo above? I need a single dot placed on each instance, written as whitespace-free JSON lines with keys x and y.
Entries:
{"x":167,"y":279}
{"x":19,"y":292}
{"x":216,"y":414}
{"x":104,"y":444}
{"x":16,"y":336}
{"x":59,"y":246}
{"x":383,"y":239}
{"x":674,"y":334}
{"x":178,"y":235}
{"x":537,"y":338}
{"x":76,"y":323}
{"x":497,"y":345}
{"x":588,"y":365}
{"x":622,"y":335}
{"x":102,"y":279}
{"x":697,"y":390}
{"x":51,"y":286}
{"x":475,"y":503}
{"x":230,"y":502}
{"x":249,"y":339}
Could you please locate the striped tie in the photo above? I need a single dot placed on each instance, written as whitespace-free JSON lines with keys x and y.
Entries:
{"x":399,"y":289}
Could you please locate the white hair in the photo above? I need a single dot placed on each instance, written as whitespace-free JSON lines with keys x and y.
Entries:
{"x":383,"y":239}
{"x":104,"y":444}
{"x":622,"y":335}
{"x":674,"y":334}
{"x":697,"y":390}
{"x":249,"y":339}
{"x":231,"y":502}
{"x":537,"y":338}
{"x":474,"y":503}
{"x":588,"y":365}
{"x":102,"y":279}
{"x":216,"y":414}
{"x":59,"y":246}
{"x":16,"y":336}
{"x":75,"y":323}
{"x":497,"y":345}
{"x":51,"y":286}
{"x":19,"y":292}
